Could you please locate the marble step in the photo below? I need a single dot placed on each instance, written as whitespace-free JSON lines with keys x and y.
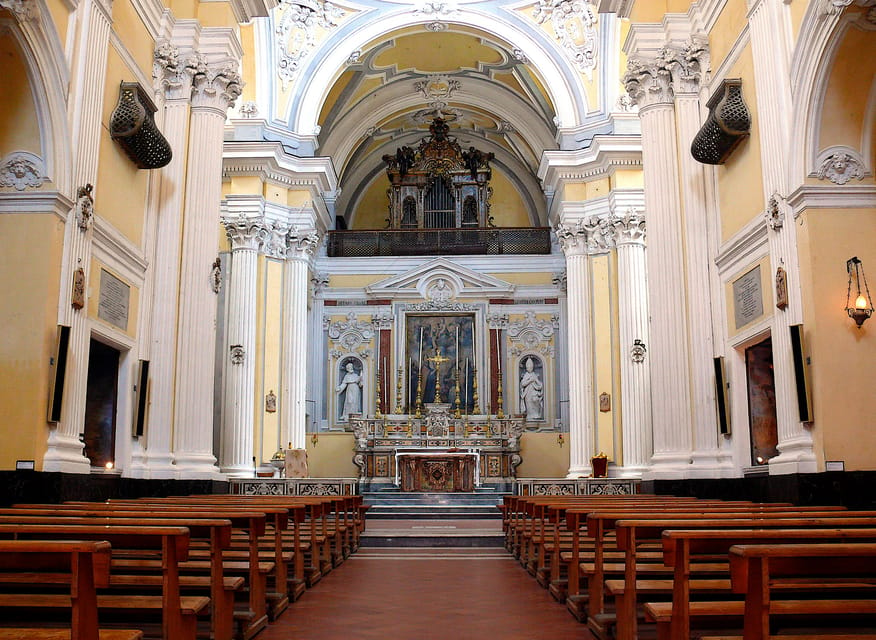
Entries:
{"x":433,"y":533}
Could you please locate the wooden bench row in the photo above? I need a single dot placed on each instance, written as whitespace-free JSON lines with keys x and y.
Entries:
{"x":232,"y":562}
{"x":623,"y":547}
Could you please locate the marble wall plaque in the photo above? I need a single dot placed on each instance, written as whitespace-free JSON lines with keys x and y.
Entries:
{"x":114,"y":299}
{"x":747,"y":298}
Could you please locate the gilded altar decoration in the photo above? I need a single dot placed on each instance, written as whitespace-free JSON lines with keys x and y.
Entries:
{"x":271,"y":402}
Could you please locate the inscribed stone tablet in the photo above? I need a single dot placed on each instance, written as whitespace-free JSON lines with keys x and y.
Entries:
{"x":113,"y":302}
{"x":747,"y":298}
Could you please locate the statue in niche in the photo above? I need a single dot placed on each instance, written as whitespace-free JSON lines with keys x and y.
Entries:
{"x":349,"y":391}
{"x":531,"y":393}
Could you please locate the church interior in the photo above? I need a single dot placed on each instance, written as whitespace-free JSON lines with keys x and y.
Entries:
{"x":619,"y":229}
{"x":344,"y":247}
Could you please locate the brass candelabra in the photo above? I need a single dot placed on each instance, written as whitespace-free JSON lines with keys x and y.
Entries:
{"x":377,"y":407}
{"x":499,"y":413}
{"x":399,"y":409}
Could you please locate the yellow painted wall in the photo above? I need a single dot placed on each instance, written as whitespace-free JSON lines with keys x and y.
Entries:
{"x":92,"y":298}
{"x":843,"y":113}
{"x":603,"y":351}
{"x":767,"y":284}
{"x":332,"y":456}
{"x":506,"y":205}
{"x":29,"y":319}
{"x":216,"y":14}
{"x":19,"y":128}
{"x":120,"y":191}
{"x":740,"y":179}
{"x":653,"y":10}
{"x":247,"y":65}
{"x":843,"y":357}
{"x":355,"y":280}
{"x":60,"y":11}
{"x":542,"y":456}
{"x":726,"y":30}
{"x":581,"y":191}
{"x":628,"y":179}
{"x":525,"y":278}
{"x":271,"y":349}
{"x":372,"y":209}
{"x":131,"y":30}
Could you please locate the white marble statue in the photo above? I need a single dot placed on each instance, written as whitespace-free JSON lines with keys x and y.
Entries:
{"x":531,"y":393}
{"x":350,"y":392}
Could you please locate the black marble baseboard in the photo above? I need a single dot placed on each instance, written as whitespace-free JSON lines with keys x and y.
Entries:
{"x":50,"y":487}
{"x":852,"y":489}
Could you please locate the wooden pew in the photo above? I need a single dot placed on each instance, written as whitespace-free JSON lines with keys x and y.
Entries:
{"x":178,"y":613}
{"x":683,"y":548}
{"x":633,"y":532}
{"x":213,"y":532}
{"x":83,"y":565}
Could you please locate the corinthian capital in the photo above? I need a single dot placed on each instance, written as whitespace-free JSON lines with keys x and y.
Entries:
{"x":172,"y":74}
{"x":690,"y":65}
{"x":246,"y":233}
{"x":216,"y":86}
{"x":301,"y":243}
{"x":649,"y":82}
{"x":21,"y":9}
{"x":586,"y":236}
{"x":628,"y":228}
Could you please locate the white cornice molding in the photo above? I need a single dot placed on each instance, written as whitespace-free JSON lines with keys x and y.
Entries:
{"x":570,"y":213}
{"x":833,"y":197}
{"x":246,"y":10}
{"x":151,"y":12}
{"x":41,"y":202}
{"x":113,"y":249}
{"x":749,"y":244}
{"x":381,"y":265}
{"x":269,"y":161}
{"x":465,"y":282}
{"x":599,"y":159}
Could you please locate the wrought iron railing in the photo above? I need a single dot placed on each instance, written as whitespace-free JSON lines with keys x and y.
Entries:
{"x":425,"y":242}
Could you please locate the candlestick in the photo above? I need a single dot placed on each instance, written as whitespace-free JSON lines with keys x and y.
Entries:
{"x":420,"y":355}
{"x":399,"y":408}
{"x":457,"y":349}
{"x":377,"y":414}
{"x":466,"y":386}
{"x":498,"y":353}
{"x":475,"y":400}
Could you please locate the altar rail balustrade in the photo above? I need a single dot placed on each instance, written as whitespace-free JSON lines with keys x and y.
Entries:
{"x":575,"y":486}
{"x":422,"y":242}
{"x":294,"y":486}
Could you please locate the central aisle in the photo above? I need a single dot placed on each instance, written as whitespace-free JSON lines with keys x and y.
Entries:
{"x":427,"y":594}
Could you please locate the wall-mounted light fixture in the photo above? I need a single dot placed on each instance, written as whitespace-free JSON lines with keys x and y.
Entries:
{"x":862,"y":307}
{"x":314,"y":439}
{"x":560,"y":440}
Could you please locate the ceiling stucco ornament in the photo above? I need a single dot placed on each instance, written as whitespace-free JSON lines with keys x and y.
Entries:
{"x":22,"y":170}
{"x":506,"y":127}
{"x":355,"y":57}
{"x":520,"y":56}
{"x":436,"y":9}
{"x":437,"y":86}
{"x":574,"y":23}
{"x":840,"y":165}
{"x":834,"y":6}
{"x":436,"y":27}
{"x":249,"y":109}
{"x":296,"y":32}
{"x":497,"y":320}
{"x":871,"y":16}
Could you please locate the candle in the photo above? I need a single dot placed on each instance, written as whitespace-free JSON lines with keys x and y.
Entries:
{"x":457,"y":352}
{"x":420,"y":356}
{"x":466,"y":385}
{"x":498,"y":352}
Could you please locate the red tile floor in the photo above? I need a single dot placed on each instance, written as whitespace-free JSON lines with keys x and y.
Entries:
{"x":427,"y":594}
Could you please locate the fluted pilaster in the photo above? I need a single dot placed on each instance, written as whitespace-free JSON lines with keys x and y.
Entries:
{"x":65,"y":451}
{"x":689,"y":68}
{"x":576,"y":240}
{"x":237,"y":444}
{"x":768,"y":26}
{"x":173,"y":76}
{"x":214,"y":89}
{"x":293,"y":394}
{"x":648,"y":83}
{"x":629,"y":240}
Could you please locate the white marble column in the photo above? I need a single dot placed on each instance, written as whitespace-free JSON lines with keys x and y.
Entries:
{"x":65,"y":452}
{"x":629,"y":240}
{"x":215,"y":89}
{"x":293,"y":364}
{"x":769,"y":24}
{"x":173,"y":75}
{"x":648,"y":83}
{"x":574,"y":239}
{"x":246,"y":235}
{"x":689,"y":69}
